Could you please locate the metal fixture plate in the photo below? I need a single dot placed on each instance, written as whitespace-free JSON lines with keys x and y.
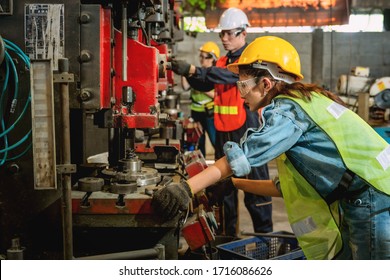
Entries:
{"x":43,"y":131}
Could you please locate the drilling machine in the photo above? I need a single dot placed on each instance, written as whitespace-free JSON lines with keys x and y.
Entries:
{"x":93,"y":78}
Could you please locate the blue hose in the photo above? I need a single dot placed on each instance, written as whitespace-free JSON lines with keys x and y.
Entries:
{"x":11,"y":68}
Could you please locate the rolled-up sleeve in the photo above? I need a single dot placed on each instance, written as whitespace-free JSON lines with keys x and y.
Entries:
{"x":236,"y":158}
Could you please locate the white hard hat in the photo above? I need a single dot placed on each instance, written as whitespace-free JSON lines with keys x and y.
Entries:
{"x":233,"y":18}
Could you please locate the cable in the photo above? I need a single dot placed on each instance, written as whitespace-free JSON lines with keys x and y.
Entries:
{"x":22,"y":153}
{"x":16,"y":82}
{"x":4,"y":86}
{"x":4,"y":159}
{"x":147,"y":40}
{"x":17,"y":144}
{"x":18,"y":119}
{"x":10,"y":68}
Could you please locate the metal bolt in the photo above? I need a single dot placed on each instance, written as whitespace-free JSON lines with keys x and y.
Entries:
{"x":13,"y":168}
{"x":85,"y":18}
{"x":85,"y":56}
{"x":85,"y":95}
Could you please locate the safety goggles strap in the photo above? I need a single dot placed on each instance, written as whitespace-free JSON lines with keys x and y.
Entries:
{"x":274,"y":70}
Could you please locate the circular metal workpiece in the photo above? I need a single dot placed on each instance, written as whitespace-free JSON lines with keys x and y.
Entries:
{"x":123,"y":188}
{"x":167,"y":132}
{"x":90,"y":184}
{"x":109,"y":172}
{"x":170,"y":101}
{"x":147,"y":176}
{"x":131,"y":165}
{"x":173,"y":113}
{"x":91,"y":169}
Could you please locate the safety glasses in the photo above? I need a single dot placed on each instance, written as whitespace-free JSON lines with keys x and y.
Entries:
{"x":247,"y":85}
{"x":230,"y":33}
{"x":201,"y":56}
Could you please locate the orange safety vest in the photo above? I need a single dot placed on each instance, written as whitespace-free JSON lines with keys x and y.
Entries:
{"x":229,"y":111}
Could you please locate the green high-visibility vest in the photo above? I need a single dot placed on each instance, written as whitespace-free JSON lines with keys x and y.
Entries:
{"x":363,"y":151}
{"x":199,"y":100}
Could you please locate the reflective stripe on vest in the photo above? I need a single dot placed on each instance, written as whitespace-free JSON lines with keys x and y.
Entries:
{"x":229,"y":111}
{"x":226,"y":110}
{"x":199,"y":99}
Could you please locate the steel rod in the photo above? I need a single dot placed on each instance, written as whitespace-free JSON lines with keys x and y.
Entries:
{"x":278,"y":235}
{"x":124,"y":41}
{"x":152,"y":253}
{"x":66,"y":178}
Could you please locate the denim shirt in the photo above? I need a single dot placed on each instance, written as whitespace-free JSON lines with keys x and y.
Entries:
{"x":286,"y":128}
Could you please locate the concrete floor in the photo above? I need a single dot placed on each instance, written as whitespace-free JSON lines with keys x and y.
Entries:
{"x":279,"y":216}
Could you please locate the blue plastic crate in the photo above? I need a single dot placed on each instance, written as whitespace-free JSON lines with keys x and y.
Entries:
{"x":261,"y":248}
{"x":384,"y":132}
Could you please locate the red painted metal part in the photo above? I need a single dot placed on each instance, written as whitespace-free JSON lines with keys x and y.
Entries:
{"x":136,"y":121}
{"x":108,"y":206}
{"x":105,"y":58}
{"x":163,"y":82}
{"x":169,"y":75}
{"x":197,"y":233}
{"x":142,"y":77}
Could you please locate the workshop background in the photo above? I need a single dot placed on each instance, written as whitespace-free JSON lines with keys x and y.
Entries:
{"x":93,"y":120}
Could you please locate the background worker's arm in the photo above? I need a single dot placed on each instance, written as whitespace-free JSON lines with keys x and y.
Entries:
{"x":258,"y":187}
{"x":210,"y":175}
{"x":210,"y":94}
{"x":184,"y":83}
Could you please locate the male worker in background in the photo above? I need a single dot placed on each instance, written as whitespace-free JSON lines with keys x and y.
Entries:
{"x":231,"y":116}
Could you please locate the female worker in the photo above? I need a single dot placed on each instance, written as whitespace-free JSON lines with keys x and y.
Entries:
{"x":334,"y":169}
{"x":202,"y":105}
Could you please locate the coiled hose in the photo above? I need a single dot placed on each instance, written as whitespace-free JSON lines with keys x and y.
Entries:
{"x":7,"y":126}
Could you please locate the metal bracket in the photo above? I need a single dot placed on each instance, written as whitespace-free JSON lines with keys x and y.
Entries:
{"x":66,"y":168}
{"x":63,"y":78}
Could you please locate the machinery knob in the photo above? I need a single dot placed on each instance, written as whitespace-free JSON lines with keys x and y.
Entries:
{"x":85,"y":95}
{"x":85,"y":18}
{"x":85,"y":56}
{"x":13,"y":168}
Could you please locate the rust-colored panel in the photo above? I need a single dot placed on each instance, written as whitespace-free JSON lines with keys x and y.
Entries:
{"x":105,"y":58}
{"x":271,"y":13}
{"x":108,"y":206}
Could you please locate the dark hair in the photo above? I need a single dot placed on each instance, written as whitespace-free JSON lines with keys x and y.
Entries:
{"x":296,"y":90}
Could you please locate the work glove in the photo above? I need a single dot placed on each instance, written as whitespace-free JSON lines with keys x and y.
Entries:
{"x":172,"y":200}
{"x":180,"y":67}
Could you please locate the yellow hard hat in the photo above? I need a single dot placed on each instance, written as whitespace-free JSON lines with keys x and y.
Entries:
{"x":271,"y":52}
{"x":210,"y":47}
